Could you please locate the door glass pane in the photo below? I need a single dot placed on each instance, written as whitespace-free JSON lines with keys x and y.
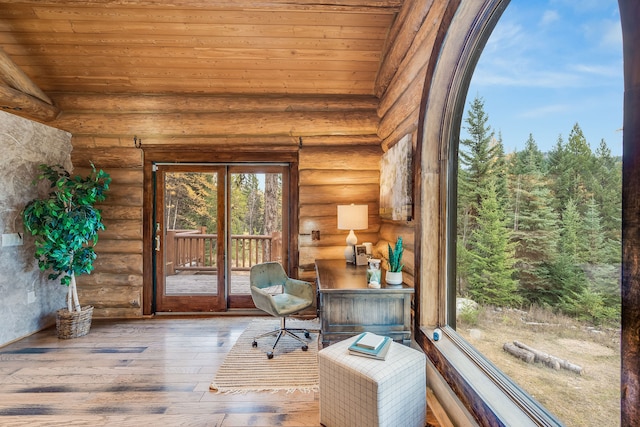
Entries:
{"x":191,"y":239}
{"x":255,"y":224}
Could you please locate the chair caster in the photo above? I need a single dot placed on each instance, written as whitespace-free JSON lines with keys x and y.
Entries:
{"x":254,"y":344}
{"x":305,"y":347}
{"x":307,"y":334}
{"x":270,"y":355}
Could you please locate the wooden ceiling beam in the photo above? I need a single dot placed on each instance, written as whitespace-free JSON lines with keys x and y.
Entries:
{"x":401,"y":36}
{"x":17,"y":79}
{"x":72,"y":102}
{"x":22,"y":104}
{"x":227,"y":124}
{"x":353,"y":5}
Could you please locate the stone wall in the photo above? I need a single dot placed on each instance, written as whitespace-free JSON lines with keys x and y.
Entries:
{"x":28,"y":301}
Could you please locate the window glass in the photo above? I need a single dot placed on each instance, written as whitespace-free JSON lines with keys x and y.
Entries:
{"x":539,"y":206}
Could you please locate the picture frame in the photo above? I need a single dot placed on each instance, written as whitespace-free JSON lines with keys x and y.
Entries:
{"x":361,"y":255}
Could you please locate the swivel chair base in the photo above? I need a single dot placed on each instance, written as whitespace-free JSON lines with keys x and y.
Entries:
{"x":279,"y":333}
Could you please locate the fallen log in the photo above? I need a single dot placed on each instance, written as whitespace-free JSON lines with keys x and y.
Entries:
{"x":540,"y":356}
{"x":564,"y":364}
{"x":518,"y":352}
{"x":541,"y":324}
{"x":549,"y":360}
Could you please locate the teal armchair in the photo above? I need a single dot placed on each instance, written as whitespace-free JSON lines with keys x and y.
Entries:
{"x":295,"y":296}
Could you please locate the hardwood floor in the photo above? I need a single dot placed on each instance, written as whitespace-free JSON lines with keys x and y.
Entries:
{"x":132,"y":373}
{"x":135,"y":373}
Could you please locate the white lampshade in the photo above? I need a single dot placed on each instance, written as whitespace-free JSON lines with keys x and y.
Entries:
{"x":352,"y":217}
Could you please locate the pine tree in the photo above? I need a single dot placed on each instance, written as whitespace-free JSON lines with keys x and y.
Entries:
{"x":536,"y":233}
{"x":557,"y":171}
{"x":601,"y":299}
{"x":254,"y":215}
{"x":272,"y":208}
{"x":477,"y":159}
{"x":577,"y":179}
{"x":491,"y":278}
{"x":529,"y":159}
{"x":190,"y":200}
{"x":500,"y":171}
{"x":591,"y":242}
{"x":463,"y":272}
{"x":247,"y":204}
{"x":476,"y":167}
{"x":566,"y":276}
{"x":560,"y":246}
{"x":608,"y":195}
{"x":272,"y":202}
{"x":569,"y":236}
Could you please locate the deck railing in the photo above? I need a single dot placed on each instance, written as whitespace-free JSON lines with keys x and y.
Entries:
{"x":196,"y":250}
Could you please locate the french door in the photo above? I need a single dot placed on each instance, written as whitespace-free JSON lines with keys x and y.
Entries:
{"x":213,"y":222}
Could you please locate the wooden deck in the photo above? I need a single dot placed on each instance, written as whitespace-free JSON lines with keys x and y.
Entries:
{"x":135,"y":373}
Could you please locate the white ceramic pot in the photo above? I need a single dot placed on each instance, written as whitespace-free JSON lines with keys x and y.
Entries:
{"x":393,"y":278}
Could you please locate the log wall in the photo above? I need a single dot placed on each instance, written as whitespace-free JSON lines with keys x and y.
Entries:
{"x":340,"y":140}
{"x":330,"y":177}
{"x":400,"y":85}
{"x":339,"y":154}
{"x":115,"y":286}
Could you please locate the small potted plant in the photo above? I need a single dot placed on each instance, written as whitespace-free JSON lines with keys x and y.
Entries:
{"x":65,"y":224}
{"x":393,"y":275}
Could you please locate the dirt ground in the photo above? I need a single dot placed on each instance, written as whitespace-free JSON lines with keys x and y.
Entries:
{"x":590,"y":399}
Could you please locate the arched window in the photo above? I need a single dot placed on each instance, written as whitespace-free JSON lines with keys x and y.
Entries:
{"x":459,"y":362}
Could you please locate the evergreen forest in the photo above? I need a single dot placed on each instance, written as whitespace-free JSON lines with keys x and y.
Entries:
{"x":191,"y":202}
{"x":537,"y":228}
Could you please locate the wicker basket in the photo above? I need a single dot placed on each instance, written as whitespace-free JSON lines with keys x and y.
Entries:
{"x":73,"y":324}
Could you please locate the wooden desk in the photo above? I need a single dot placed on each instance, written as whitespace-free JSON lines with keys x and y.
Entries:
{"x":347,"y":306}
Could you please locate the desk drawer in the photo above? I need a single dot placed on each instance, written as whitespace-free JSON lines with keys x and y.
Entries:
{"x":345,"y":314}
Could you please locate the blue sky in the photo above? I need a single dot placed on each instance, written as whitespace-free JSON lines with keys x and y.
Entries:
{"x":549,"y":64}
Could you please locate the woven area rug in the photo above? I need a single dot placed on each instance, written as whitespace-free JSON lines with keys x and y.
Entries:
{"x":247,"y":369}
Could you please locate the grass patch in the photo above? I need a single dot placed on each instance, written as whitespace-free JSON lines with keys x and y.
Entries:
{"x":590,"y":399}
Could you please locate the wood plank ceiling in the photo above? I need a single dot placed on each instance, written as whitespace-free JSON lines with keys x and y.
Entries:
{"x":329,"y":47}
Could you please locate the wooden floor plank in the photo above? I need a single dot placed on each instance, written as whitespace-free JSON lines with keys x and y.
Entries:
{"x":138,"y":372}
{"x":115,"y":420}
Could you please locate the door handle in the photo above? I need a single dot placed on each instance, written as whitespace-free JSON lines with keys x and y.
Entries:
{"x":157,"y":243}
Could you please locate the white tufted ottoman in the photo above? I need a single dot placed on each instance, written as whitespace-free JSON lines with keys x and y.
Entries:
{"x":359,"y":391}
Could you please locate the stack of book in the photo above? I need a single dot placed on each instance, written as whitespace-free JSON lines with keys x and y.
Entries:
{"x":371,"y":345}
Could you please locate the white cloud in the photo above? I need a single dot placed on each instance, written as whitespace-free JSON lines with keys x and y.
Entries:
{"x":604,"y":33}
{"x":583,"y":6}
{"x":598,"y":70}
{"x":517,"y":55}
{"x":527,"y":77}
{"x":549,"y":17}
{"x":611,"y":34}
{"x":506,"y":35}
{"x":544,"y":111}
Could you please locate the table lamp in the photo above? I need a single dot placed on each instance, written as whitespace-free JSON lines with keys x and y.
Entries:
{"x":352,"y":217}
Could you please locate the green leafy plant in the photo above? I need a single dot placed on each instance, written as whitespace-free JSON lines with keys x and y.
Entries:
{"x":395,"y":256}
{"x":65,"y":224}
